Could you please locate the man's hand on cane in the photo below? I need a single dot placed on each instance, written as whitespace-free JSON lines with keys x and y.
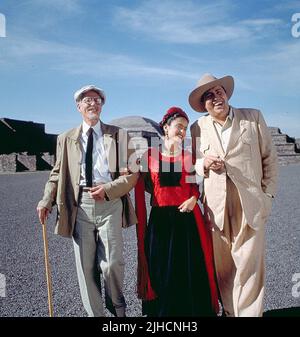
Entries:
{"x":43,"y":213}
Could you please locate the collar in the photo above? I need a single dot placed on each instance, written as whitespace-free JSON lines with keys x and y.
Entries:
{"x":96,"y":128}
{"x":230,"y":115}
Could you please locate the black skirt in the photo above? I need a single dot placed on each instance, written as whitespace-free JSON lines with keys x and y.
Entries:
{"x":176,"y":265}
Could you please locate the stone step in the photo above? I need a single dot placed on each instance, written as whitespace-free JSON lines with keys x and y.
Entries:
{"x":274,"y":130}
{"x":19,"y":162}
{"x":8,"y":163}
{"x":288,"y":148}
{"x":45,"y":161}
{"x":286,"y":159}
{"x":26,"y":162}
{"x":279,"y":140}
{"x":283,"y":137}
{"x":278,"y":134}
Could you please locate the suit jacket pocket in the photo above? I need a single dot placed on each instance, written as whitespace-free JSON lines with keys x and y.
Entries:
{"x":246,"y":141}
{"x":204,"y":147}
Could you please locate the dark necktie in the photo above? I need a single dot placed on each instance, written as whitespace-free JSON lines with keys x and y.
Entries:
{"x":89,"y":159}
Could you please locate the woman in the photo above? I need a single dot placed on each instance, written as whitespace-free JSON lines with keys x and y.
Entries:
{"x":175,"y":263}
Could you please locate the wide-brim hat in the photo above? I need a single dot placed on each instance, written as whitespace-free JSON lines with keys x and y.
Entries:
{"x":78,"y":94}
{"x":206,"y":82}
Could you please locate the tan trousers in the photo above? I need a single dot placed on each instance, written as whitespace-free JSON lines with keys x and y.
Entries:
{"x":98,"y":247}
{"x":239,"y":253}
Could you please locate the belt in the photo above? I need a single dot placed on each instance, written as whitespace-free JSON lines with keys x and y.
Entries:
{"x":84,"y":189}
{"x":87,"y":189}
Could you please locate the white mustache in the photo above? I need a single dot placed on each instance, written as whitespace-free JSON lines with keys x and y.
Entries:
{"x":92,"y":115}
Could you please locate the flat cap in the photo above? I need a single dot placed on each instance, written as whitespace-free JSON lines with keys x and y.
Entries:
{"x":78,"y":94}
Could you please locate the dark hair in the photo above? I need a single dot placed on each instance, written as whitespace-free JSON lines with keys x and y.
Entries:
{"x":171,"y":114}
{"x":170,"y":120}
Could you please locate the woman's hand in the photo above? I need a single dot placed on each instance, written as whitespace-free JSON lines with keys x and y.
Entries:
{"x":188,"y":205}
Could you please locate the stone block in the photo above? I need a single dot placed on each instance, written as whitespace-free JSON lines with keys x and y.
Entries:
{"x":26,"y":162}
{"x":45,"y":161}
{"x":8,"y":163}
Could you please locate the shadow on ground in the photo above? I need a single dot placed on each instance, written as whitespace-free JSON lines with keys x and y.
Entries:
{"x":284,"y":312}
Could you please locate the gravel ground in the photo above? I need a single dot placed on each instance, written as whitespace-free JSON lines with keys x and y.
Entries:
{"x":22,"y":259}
{"x":283,"y":242}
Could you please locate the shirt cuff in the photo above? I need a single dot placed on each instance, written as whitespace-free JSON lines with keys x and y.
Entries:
{"x":199,"y":167}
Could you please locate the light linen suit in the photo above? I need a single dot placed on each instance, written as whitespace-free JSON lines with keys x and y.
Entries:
{"x":237,"y":206}
{"x":63,"y":190}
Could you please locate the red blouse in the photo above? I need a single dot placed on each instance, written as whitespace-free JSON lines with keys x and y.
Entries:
{"x":171,"y":195}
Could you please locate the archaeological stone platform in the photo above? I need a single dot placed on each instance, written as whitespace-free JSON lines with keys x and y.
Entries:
{"x":25,"y":146}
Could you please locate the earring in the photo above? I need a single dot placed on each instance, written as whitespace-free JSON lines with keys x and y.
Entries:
{"x":166,"y":134}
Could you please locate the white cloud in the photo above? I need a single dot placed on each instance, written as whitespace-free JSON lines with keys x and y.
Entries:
{"x":279,"y":65}
{"x":182,"y":22}
{"x":190,"y":22}
{"x":65,"y":6}
{"x":79,"y":61}
{"x":260,"y":23}
{"x":286,"y":5}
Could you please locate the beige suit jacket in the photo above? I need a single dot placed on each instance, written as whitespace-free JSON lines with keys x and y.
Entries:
{"x":250,"y":162}
{"x":62,"y":188}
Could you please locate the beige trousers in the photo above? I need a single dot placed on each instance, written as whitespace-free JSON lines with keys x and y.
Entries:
{"x":239,"y":253}
{"x":98,"y":247}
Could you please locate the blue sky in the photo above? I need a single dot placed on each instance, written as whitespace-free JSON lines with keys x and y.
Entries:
{"x":147,"y":56}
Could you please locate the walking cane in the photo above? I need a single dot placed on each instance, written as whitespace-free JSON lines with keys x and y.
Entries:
{"x":48,"y":272}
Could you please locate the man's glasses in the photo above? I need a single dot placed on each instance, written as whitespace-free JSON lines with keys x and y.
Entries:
{"x":90,"y":100}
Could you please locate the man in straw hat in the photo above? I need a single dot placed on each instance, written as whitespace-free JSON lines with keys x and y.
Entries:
{"x":92,"y":201}
{"x":234,"y":153}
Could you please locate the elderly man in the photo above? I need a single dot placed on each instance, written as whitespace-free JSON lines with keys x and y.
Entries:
{"x":235,"y":155}
{"x":92,"y":201}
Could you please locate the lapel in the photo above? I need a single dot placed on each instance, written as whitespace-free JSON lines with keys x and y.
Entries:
{"x":75,"y":143}
{"x":75,"y":152}
{"x":109,"y":142}
{"x":238,"y":128}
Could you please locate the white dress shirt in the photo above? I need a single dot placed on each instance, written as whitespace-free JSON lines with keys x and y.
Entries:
{"x":101,"y":172}
{"x":223,"y":132}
